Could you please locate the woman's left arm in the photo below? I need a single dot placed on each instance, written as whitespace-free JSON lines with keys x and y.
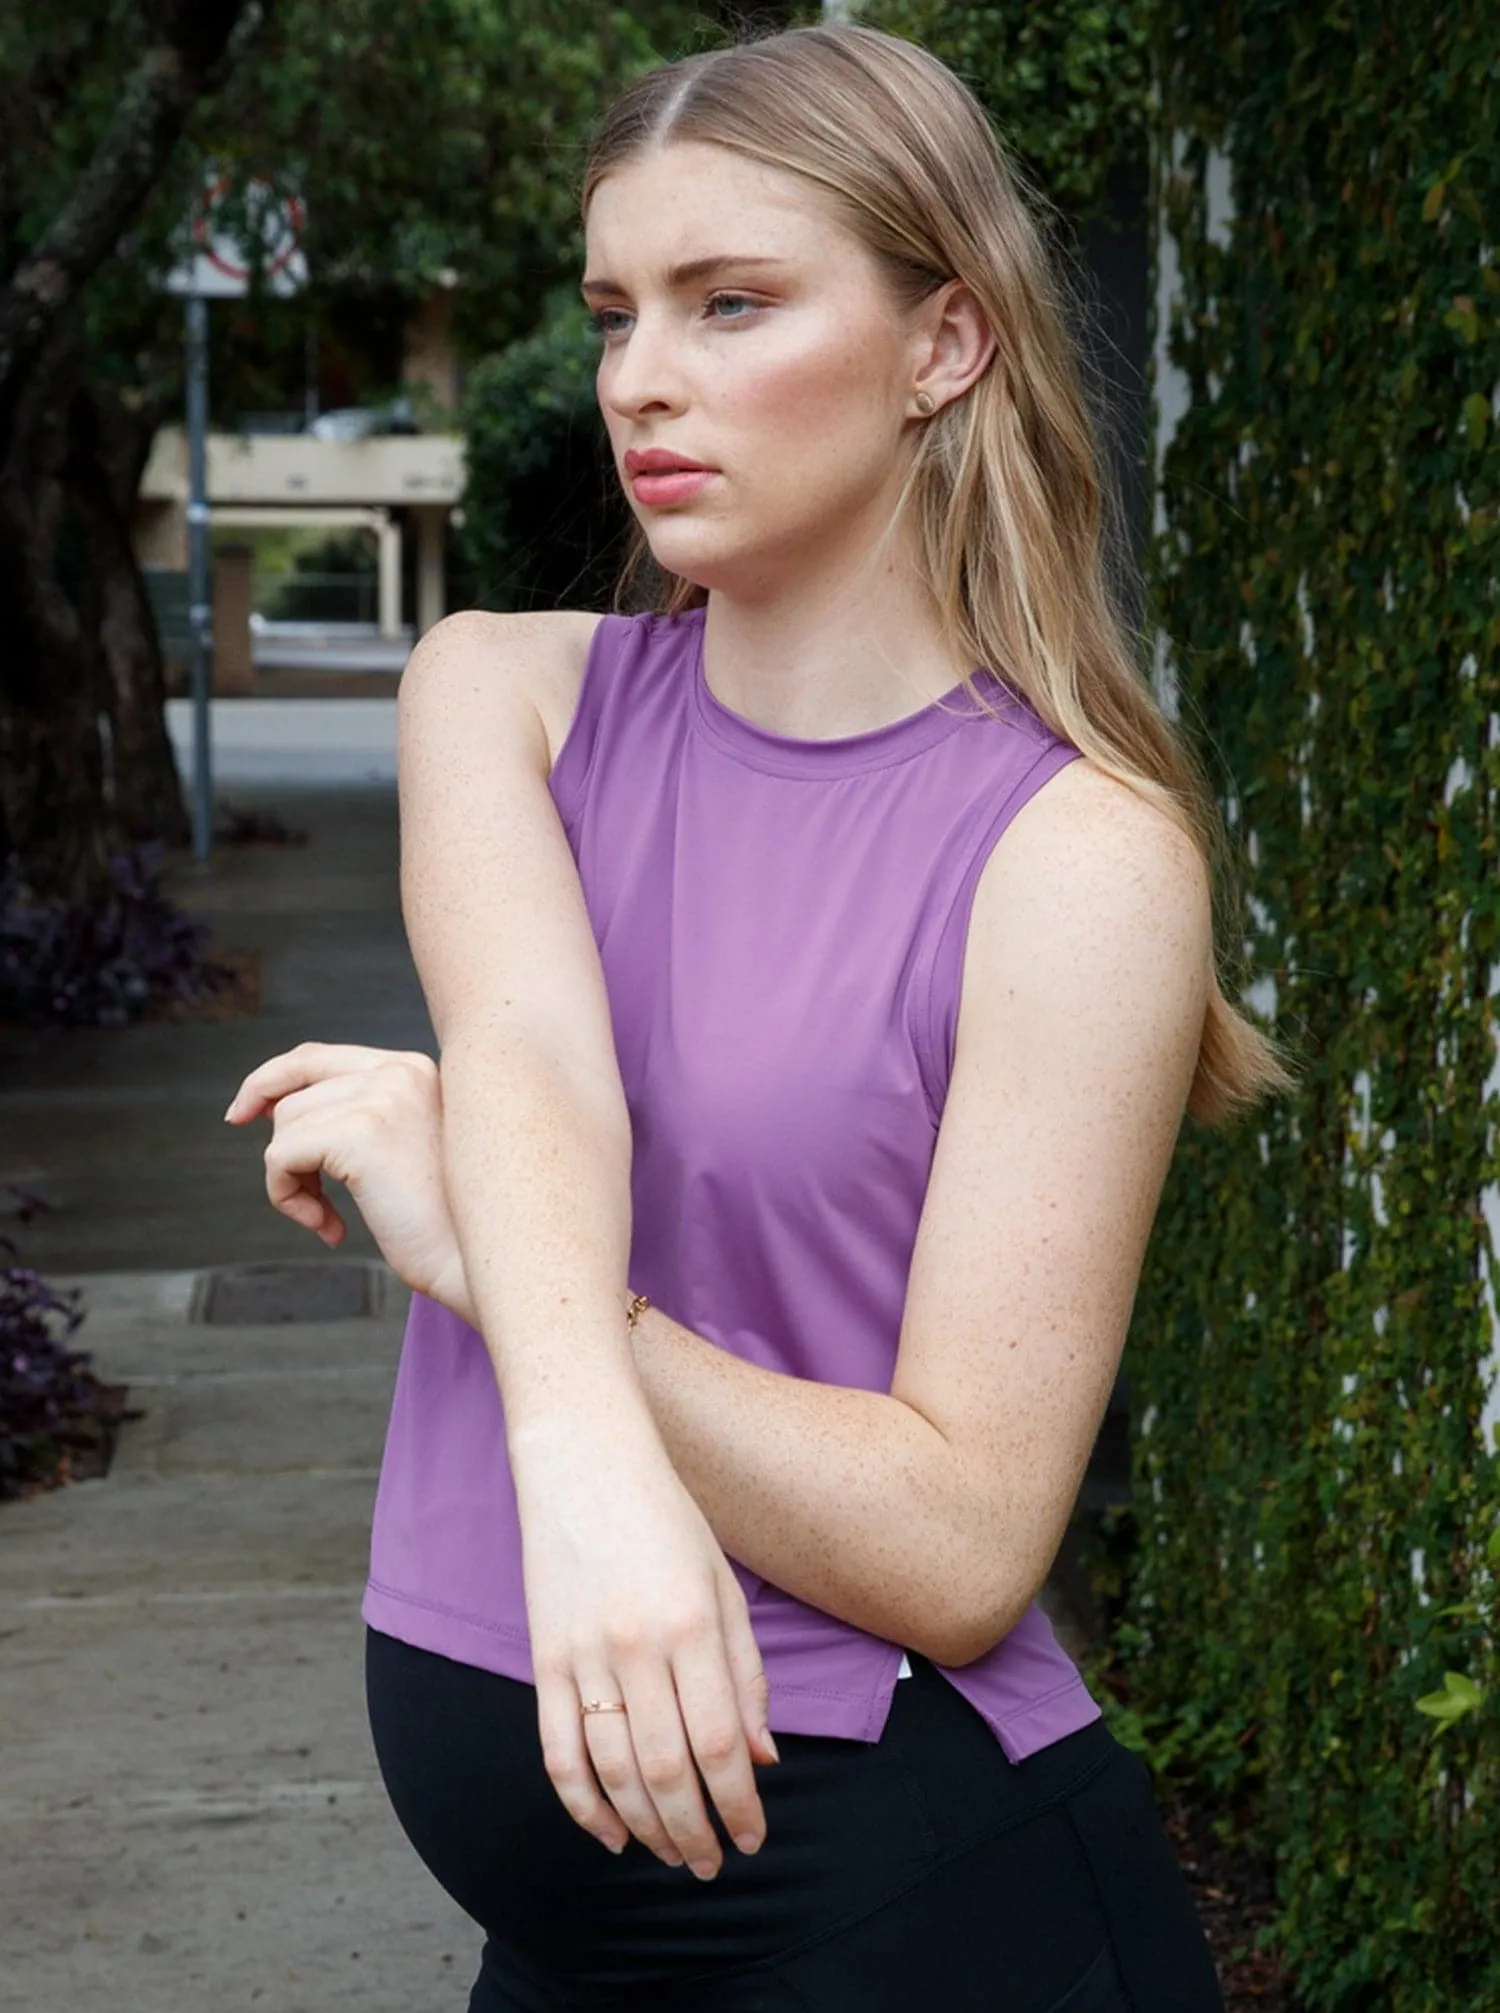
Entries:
{"x":931,"y":1515}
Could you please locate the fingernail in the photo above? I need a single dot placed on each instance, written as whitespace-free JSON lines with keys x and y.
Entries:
{"x":670,"y":1858}
{"x":616,"y":1845}
{"x":705,"y":1869}
{"x":232,"y":1103}
{"x":772,"y":1749}
{"x":748,"y":1842}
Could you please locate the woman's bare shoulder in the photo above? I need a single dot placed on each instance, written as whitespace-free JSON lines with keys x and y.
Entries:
{"x":537,"y":657}
{"x":1088,"y":827}
{"x":1089,"y":875}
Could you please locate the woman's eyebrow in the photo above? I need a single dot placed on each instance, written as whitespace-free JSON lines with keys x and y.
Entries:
{"x":684,"y":274}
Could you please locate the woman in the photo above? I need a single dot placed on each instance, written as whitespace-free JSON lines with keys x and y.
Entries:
{"x":796,"y":1142}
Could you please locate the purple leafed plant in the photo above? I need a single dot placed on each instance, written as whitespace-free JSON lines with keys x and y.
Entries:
{"x":57,"y":1420}
{"x":102,"y":963}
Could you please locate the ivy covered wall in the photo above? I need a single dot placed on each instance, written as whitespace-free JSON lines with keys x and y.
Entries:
{"x":1314,"y":1353}
{"x":1066,"y":82}
{"x":1314,"y":1350}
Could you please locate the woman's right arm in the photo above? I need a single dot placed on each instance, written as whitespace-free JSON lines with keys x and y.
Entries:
{"x":537,"y":1136}
{"x":629,"y":1596}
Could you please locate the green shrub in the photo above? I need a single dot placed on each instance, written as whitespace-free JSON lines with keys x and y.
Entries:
{"x":544,"y":518}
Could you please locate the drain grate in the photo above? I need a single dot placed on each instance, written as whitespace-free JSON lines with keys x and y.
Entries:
{"x":242,"y":1296}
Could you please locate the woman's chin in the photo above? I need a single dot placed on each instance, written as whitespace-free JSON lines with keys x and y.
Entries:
{"x":689,"y":560}
{"x":717,"y":566}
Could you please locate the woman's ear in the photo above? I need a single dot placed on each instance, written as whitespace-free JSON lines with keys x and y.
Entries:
{"x":954,"y":343}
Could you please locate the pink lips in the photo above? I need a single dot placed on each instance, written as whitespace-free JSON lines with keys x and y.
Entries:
{"x":671,"y":486}
{"x":660,"y":477}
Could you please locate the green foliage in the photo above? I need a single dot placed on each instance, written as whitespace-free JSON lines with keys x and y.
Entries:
{"x":1460,"y":1695}
{"x":1315,"y":1586}
{"x":544,"y":522}
{"x":1067,"y":84}
{"x":543,"y":514}
{"x":445,"y":139}
{"x":432,"y":143}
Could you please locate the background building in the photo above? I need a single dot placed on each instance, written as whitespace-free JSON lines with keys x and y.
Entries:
{"x":330,"y":523}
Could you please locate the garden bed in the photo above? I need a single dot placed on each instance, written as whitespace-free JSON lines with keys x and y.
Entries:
{"x":1235,"y":1896}
{"x":59,"y":1422}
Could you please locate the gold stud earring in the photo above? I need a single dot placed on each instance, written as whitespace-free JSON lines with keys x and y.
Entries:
{"x":926,"y":404}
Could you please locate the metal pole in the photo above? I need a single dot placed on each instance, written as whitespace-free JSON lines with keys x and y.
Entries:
{"x":200,"y":605}
{"x":310,"y":377}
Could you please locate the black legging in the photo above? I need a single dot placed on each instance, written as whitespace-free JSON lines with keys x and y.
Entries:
{"x":921,"y":1870}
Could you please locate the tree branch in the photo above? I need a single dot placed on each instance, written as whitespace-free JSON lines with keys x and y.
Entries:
{"x":192,"y":47}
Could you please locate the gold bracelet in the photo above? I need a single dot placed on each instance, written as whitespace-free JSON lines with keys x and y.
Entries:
{"x":636,"y":1309}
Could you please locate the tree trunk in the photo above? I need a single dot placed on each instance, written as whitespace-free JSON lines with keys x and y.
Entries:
{"x":108,"y":446}
{"x":51,"y":669}
{"x":60,"y":693}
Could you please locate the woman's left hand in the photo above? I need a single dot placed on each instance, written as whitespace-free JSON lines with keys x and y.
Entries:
{"x":371,"y":1118}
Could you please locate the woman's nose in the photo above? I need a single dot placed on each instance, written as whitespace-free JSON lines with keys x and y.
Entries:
{"x":643,"y":374}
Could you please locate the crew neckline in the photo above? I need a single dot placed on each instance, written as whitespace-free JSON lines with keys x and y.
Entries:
{"x":845,"y":754}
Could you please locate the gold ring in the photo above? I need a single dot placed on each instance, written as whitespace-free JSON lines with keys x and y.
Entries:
{"x":603,"y":1705}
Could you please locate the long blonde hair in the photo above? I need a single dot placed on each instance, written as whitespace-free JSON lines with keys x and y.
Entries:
{"x":1005,"y":486}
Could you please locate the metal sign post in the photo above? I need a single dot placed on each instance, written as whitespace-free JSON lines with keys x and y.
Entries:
{"x":217,"y":266}
{"x":200,"y":607}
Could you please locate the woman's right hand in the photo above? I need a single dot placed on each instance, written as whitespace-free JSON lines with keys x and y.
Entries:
{"x":630,"y":1599}
{"x":371,"y":1118}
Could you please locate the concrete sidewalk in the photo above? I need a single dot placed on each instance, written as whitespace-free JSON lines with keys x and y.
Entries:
{"x":190,"y":1813}
{"x":191,"y":1817}
{"x":120,"y":1132}
{"x":313,"y":739}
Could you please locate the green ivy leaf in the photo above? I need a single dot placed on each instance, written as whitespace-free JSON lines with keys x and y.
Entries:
{"x":1463,"y":319}
{"x":1460,"y":1695}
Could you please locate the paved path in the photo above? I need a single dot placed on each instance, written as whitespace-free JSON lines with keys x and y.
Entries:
{"x":120,"y":1130}
{"x":312,"y":740}
{"x":190,"y":1814}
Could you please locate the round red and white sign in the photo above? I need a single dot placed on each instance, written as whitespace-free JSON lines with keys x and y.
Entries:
{"x":275,"y":219}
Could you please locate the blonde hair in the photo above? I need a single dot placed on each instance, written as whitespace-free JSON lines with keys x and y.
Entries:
{"x":1005,"y":488}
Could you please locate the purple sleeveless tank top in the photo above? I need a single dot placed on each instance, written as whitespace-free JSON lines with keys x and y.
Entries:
{"x":782,"y":926}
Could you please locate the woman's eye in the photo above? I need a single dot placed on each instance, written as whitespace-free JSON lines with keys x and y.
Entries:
{"x":607,"y":322}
